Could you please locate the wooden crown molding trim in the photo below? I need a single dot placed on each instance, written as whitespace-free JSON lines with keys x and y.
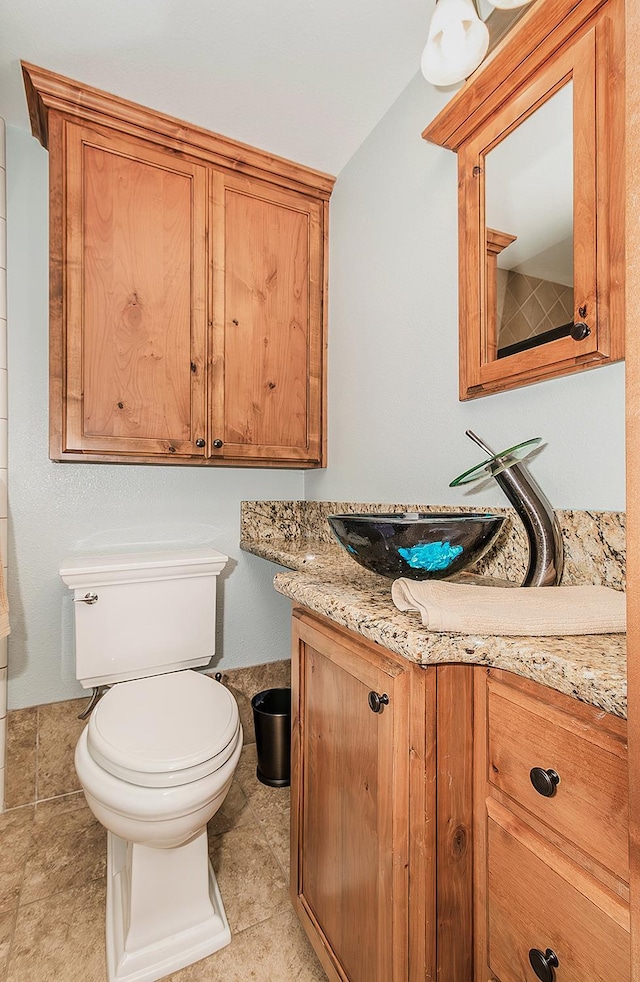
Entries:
{"x":46,"y":91}
{"x":535,"y":37}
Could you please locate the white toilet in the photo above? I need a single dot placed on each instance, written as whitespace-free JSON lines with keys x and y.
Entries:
{"x":159,"y":752}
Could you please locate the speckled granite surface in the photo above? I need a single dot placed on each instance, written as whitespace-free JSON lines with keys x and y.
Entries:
{"x":320,"y":576}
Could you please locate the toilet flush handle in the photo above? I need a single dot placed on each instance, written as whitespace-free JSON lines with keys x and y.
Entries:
{"x":96,"y":696}
{"x":89,"y":598}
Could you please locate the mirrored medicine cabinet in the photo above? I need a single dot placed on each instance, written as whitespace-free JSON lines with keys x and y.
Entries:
{"x":539,"y":135}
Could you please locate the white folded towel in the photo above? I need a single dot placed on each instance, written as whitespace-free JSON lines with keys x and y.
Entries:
{"x":532,"y":611}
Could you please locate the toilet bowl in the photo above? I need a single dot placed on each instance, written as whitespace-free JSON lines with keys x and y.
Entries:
{"x":158,"y":754}
{"x":154,"y":779}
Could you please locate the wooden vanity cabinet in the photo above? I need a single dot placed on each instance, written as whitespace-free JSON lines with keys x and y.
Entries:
{"x":381,"y":864}
{"x":420,"y":847}
{"x":351,"y":736}
{"x":187,"y":289}
{"x":551,"y":836}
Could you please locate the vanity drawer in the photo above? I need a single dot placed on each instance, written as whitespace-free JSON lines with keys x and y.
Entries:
{"x":589,"y":803}
{"x":538,"y":901}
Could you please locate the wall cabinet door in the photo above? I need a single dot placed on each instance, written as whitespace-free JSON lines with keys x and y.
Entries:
{"x":129,"y":350}
{"x":266,"y":381}
{"x":350,"y":801}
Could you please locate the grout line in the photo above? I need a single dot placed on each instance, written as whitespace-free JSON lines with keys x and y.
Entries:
{"x":37,"y":755}
{"x":74,"y":887}
{"x":17,"y":808}
{"x":57,"y":797}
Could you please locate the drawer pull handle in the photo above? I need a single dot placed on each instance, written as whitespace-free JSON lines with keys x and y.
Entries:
{"x":545,"y":782}
{"x":543,"y":964}
{"x":376,"y":702}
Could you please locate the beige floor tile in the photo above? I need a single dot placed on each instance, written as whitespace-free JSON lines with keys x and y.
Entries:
{"x":234,"y":812}
{"x":274,"y":951}
{"x":270,"y":806}
{"x":22,"y":729}
{"x":7,"y":925}
{"x":15,"y":839}
{"x":58,"y":732}
{"x":277,"y":835}
{"x":246,"y":769}
{"x":61,"y":941}
{"x":69,"y":849}
{"x":274,"y":674}
{"x":251,"y":881}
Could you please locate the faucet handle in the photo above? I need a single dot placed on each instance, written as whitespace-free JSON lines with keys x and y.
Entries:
{"x":497,"y":462}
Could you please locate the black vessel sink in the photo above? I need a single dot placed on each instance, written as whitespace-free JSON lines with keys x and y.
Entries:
{"x":421,"y":546}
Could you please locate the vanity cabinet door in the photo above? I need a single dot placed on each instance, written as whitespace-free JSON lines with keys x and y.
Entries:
{"x":350,"y":801}
{"x":128,"y":296}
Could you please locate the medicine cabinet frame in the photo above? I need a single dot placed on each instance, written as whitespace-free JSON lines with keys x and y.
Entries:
{"x":556,"y":42}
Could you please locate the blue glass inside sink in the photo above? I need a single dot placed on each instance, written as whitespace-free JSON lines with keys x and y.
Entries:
{"x":419,"y":545}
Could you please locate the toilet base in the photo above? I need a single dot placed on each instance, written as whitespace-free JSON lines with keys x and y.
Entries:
{"x":164,"y":909}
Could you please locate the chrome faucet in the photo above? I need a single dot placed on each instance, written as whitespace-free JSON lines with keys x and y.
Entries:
{"x":546,"y":553}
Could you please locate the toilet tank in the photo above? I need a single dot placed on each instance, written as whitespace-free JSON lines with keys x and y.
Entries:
{"x":141,"y":614}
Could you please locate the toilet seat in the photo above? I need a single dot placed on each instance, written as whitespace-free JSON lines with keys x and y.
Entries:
{"x":164,"y":730}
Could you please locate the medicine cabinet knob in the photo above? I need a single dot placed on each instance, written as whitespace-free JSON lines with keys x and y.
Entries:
{"x":217,"y":444}
{"x":545,"y":782}
{"x":580,"y":331}
{"x":543,"y":964}
{"x":200,"y":442}
{"x":376,"y":701}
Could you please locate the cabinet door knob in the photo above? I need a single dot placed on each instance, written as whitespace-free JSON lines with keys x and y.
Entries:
{"x":545,"y":782}
{"x":543,"y":964}
{"x":376,"y":701}
{"x":200,"y":442}
{"x":580,"y":331}
{"x":217,"y":444}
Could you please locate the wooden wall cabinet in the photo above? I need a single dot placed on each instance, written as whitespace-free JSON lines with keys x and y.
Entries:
{"x":577,"y":45}
{"x":187,"y":289}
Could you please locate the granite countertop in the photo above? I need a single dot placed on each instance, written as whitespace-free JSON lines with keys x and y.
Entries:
{"x":321,"y":577}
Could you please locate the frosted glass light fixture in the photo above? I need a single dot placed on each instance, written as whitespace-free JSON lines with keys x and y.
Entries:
{"x":457,"y":42}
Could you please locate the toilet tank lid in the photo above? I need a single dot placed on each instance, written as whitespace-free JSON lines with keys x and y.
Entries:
{"x":195,"y":560}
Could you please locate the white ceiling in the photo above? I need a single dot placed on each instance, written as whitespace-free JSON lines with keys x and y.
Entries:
{"x":305,"y":79}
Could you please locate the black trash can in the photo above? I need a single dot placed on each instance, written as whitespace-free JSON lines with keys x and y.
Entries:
{"x":272,"y":721}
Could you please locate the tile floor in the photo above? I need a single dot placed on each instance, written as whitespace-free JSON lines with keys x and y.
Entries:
{"x":52,"y":891}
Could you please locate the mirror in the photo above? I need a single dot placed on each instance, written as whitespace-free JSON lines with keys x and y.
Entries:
{"x":529,"y":230}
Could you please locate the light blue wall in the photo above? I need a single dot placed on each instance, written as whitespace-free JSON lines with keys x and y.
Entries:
{"x":60,"y":509}
{"x":396,"y":427}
